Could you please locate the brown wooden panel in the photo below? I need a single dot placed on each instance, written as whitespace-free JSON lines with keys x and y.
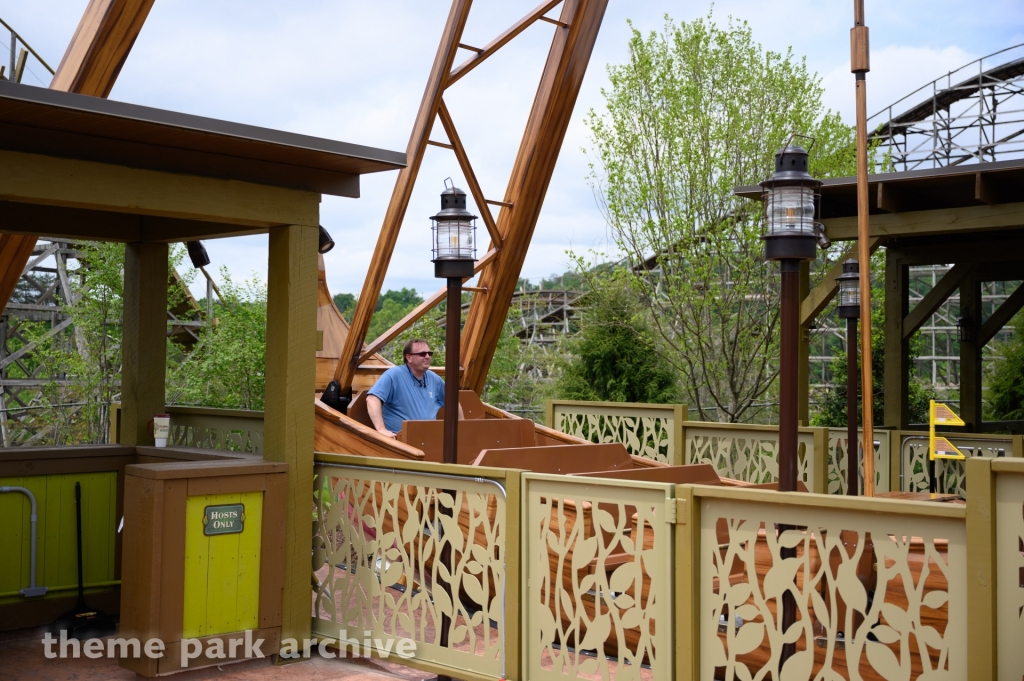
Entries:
{"x":143,"y":548}
{"x":474,"y":437}
{"x":698,"y":473}
{"x":171,"y":661}
{"x":472,"y":406}
{"x":272,"y":548}
{"x":172,"y":560}
{"x":206,"y":469}
{"x":559,"y":459}
{"x":334,"y":432}
{"x":234,"y":484}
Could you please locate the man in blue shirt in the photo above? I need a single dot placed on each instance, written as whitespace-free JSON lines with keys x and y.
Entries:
{"x":411,"y":392}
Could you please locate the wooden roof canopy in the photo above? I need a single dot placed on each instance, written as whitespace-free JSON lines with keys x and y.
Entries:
{"x":72,"y":167}
{"x":958,"y":191}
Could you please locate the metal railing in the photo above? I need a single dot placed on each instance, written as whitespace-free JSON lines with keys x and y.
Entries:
{"x":652,"y":431}
{"x":231,"y":430}
{"x":891,"y":596}
{"x":951,"y":473}
{"x":749,"y":452}
{"x":598,"y":565}
{"x":433,"y":548}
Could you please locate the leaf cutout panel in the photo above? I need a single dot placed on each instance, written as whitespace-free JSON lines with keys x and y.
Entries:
{"x":951,"y":473}
{"x":838,"y":450}
{"x":1010,"y":575}
{"x":379,"y":542}
{"x":649,"y":436}
{"x":599,"y":590}
{"x":882,"y":593}
{"x":748,"y":455}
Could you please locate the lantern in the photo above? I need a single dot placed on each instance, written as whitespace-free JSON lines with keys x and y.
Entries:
{"x":849,"y":290}
{"x":454,"y":235}
{"x":790,"y":196}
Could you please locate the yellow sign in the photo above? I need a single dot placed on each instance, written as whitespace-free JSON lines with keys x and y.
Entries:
{"x":940,"y":447}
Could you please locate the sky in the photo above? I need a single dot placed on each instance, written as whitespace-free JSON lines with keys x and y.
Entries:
{"x":355,"y":71}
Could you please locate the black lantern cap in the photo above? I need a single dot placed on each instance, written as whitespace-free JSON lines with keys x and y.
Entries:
{"x":851,"y":273}
{"x":791,"y":168}
{"x":453,"y":206}
{"x":326,"y":243}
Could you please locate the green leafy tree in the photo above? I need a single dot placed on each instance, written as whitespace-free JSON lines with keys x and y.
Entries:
{"x":346,"y":304}
{"x":227,"y":367}
{"x":613,"y":357}
{"x":695,"y":111}
{"x":1005,"y":394}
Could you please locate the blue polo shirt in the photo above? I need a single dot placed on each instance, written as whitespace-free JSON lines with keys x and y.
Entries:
{"x":406,"y":398}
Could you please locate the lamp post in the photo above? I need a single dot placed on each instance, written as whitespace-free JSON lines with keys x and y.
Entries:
{"x":790,"y":235}
{"x":849,"y":309}
{"x":454,"y":247}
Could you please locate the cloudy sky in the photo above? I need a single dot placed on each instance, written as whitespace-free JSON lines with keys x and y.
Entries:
{"x":355,"y":71}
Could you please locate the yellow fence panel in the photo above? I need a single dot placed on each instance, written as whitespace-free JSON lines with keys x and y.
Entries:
{"x":879,"y":585}
{"x":599,"y":593}
{"x":401,"y":555}
{"x":652,"y":431}
{"x":838,"y":451}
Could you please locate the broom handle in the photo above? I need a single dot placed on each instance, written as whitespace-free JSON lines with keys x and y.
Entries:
{"x":78,"y":519}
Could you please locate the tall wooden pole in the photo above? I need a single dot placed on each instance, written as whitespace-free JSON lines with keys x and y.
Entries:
{"x":859,"y":64}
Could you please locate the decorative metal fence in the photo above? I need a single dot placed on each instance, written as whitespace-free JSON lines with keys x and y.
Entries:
{"x":653,"y":431}
{"x":409,"y":551}
{"x":750,"y":452}
{"x":231,"y":430}
{"x":950,"y":473}
{"x":598,"y":600}
{"x":877,"y":585}
{"x":838,"y":451}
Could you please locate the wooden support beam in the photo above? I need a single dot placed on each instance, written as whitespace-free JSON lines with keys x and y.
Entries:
{"x":103,"y":225}
{"x":934,"y":299}
{"x":556,"y":22}
{"x":437,"y":82}
{"x":467,"y":170}
{"x":499,"y":42}
{"x":144,"y":340}
{"x":984,"y":192}
{"x":432,"y":301}
{"x":288,"y":412}
{"x":897,"y":348}
{"x":47,"y":180}
{"x":970,"y":354}
{"x":1001,"y":317}
{"x":100,"y":46}
{"x":822,"y":294}
{"x":90,"y":66}
{"x":890,"y":198}
{"x":938,"y":221}
{"x":538,"y":152}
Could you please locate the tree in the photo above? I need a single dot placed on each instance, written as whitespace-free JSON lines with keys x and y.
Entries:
{"x":1005,"y":398}
{"x":696,"y":111}
{"x":227,"y":367}
{"x":346,"y":304}
{"x":613,"y":357}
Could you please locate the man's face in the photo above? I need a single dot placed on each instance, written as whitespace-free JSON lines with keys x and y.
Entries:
{"x":420,"y":356}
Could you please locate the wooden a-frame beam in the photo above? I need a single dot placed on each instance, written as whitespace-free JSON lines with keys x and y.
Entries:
{"x":432,"y":301}
{"x":399,"y":203}
{"x":822,"y":294}
{"x":499,"y":42}
{"x":934,"y":299}
{"x":90,"y":66}
{"x":1001,"y":316}
{"x":467,"y":170}
{"x":535,"y":162}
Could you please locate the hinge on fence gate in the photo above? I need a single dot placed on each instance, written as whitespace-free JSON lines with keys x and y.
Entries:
{"x":675,"y":512}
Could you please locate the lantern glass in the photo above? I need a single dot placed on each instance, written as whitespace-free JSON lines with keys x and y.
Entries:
{"x":790,"y":210}
{"x":849,"y":292}
{"x":454,"y":239}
